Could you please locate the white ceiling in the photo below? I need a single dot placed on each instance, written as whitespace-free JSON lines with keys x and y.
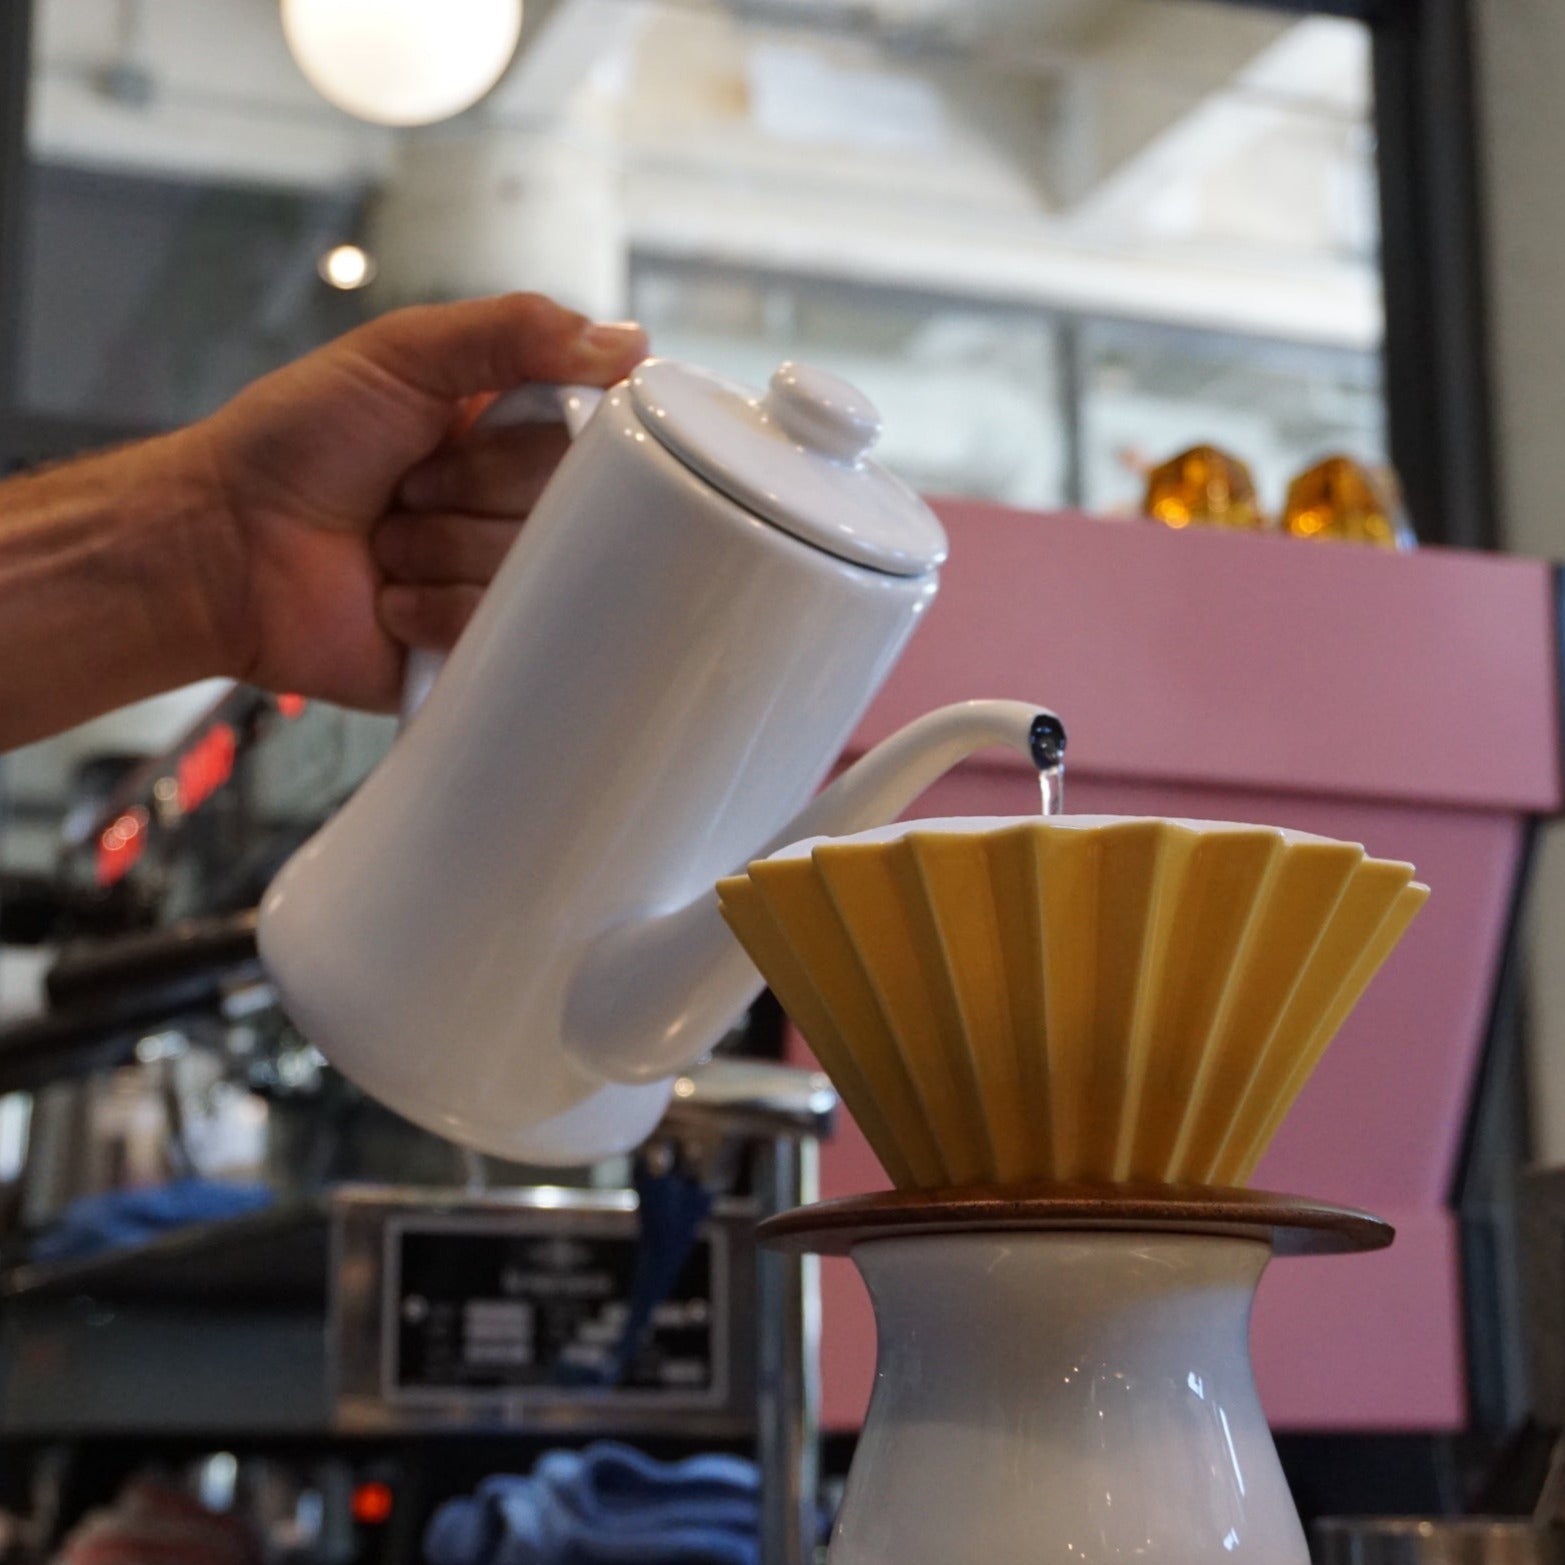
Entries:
{"x":1139,"y":156}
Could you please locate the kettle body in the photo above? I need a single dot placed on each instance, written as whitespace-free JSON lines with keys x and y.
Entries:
{"x":656,"y":680}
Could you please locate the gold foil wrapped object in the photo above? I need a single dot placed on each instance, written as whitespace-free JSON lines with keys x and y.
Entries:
{"x":1339,"y":499}
{"x":1203,"y":487}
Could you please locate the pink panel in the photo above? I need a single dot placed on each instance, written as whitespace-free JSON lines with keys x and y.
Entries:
{"x":847,"y":1346}
{"x":1366,"y":1342}
{"x":1256,"y":662}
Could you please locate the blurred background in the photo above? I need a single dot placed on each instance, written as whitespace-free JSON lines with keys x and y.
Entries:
{"x":1056,"y":242}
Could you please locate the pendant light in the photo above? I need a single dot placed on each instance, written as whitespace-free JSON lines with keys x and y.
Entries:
{"x":402,"y":62}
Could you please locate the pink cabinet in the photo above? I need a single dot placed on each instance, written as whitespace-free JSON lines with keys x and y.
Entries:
{"x":1405,"y":702}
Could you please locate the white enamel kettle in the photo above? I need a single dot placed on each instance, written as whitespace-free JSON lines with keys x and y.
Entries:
{"x":509,"y":933}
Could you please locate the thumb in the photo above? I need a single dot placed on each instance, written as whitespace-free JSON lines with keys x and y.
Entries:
{"x":454,"y":351}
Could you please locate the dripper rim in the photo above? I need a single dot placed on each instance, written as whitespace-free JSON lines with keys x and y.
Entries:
{"x":986,"y":825}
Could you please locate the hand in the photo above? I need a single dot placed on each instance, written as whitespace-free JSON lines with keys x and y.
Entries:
{"x":359,"y":512}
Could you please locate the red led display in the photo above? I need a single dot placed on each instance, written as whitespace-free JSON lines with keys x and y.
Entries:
{"x":206,"y":766}
{"x":120,"y":844}
{"x":371,"y":1503}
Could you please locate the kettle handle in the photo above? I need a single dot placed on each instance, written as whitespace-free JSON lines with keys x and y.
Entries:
{"x":534,"y":403}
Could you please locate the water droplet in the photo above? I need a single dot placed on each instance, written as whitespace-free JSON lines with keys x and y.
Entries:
{"x":1046,"y":740}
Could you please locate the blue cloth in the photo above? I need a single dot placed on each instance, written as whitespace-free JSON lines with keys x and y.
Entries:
{"x":124,"y":1217}
{"x":606,"y":1505}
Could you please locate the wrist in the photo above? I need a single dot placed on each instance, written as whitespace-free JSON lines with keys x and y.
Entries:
{"x":118,"y":575}
{"x":197,"y":545}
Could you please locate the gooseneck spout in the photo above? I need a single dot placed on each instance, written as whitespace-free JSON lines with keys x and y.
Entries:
{"x":653,"y":996}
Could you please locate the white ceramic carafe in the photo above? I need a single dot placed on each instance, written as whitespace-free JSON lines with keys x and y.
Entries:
{"x":1049,"y":1398}
{"x":509,"y":934}
{"x":1062,"y":1372}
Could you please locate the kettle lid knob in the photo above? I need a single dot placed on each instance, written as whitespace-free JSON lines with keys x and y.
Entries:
{"x":796,"y":455}
{"x":818,"y":410}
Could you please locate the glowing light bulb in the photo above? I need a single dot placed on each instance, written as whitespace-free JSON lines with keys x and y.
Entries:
{"x":402,"y":62}
{"x":346,"y":267}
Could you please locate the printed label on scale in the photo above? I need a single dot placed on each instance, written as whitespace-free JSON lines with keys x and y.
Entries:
{"x":473,"y":1310}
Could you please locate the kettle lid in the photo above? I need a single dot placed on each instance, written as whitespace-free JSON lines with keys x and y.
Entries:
{"x":796,"y":456}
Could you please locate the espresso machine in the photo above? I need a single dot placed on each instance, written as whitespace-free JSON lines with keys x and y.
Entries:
{"x":357,"y":1318}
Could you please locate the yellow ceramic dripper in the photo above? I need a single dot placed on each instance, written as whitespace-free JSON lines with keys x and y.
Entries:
{"x":1073,"y":999}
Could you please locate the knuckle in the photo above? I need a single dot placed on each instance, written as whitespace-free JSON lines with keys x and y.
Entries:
{"x":540,"y":312}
